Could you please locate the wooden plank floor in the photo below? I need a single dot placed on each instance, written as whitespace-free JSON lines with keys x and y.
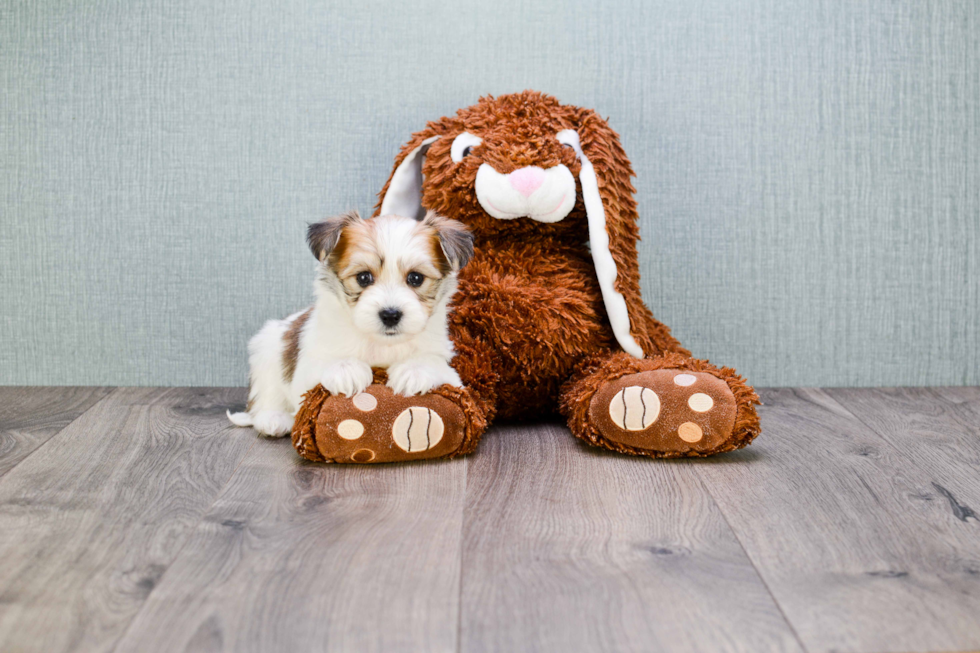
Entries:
{"x":137,"y":519}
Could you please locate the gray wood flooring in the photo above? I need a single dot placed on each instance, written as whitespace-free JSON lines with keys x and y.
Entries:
{"x":138,"y":519}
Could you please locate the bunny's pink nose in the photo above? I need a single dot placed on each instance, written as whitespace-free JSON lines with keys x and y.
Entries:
{"x":527,"y":180}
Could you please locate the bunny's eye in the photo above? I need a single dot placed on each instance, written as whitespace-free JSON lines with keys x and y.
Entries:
{"x":463,"y":146}
{"x":569,"y":139}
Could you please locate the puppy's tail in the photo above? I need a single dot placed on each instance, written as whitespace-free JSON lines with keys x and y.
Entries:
{"x":239,"y":419}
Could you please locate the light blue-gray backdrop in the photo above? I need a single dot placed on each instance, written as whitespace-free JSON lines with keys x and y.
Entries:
{"x":808,"y":172}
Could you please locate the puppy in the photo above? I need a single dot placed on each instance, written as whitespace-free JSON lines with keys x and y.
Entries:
{"x":382,"y":291}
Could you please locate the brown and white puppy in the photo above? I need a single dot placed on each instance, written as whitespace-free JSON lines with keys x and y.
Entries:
{"x":382,"y":291}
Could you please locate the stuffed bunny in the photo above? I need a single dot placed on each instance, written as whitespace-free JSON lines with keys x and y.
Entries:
{"x":548,"y":317}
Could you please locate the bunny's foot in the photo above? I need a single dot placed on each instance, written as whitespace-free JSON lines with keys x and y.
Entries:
{"x":378,"y":426}
{"x":664,"y":407}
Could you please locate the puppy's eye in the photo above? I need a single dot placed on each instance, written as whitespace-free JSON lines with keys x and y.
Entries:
{"x":414,"y":279}
{"x":364,"y":279}
{"x":468,"y":150}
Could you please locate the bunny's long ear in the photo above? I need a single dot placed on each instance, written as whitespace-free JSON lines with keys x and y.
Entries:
{"x":402,"y":195}
{"x":613,"y":233}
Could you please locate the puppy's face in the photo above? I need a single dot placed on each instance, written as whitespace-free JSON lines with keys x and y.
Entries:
{"x":391,"y":272}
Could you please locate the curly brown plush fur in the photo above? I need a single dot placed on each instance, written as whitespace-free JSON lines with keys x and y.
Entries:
{"x":529,"y":322}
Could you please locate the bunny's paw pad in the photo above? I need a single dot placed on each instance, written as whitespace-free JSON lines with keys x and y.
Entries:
{"x":665,"y":411}
{"x":378,"y":426}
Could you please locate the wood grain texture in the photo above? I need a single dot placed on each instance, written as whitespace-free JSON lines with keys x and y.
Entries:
{"x":849,"y":533}
{"x":88,"y":528}
{"x":571,"y":548}
{"x":941,"y":435}
{"x":148,"y":524}
{"x":298,"y":556}
{"x":965,"y":396}
{"x":29,"y":417}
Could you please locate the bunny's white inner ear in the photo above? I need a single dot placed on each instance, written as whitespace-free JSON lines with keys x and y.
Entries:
{"x":404,"y":196}
{"x":605,"y":266}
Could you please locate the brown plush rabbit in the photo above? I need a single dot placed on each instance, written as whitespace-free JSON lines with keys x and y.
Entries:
{"x":549,"y":316}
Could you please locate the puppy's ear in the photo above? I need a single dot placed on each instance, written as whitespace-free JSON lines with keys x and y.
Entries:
{"x":323,"y":236}
{"x":455,"y":240}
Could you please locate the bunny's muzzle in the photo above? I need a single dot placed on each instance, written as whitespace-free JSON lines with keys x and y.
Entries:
{"x":544,"y":195}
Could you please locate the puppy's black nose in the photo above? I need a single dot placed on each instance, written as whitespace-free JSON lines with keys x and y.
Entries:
{"x":390,"y":316}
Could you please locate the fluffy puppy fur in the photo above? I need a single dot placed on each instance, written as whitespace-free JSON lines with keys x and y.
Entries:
{"x":382,"y":292}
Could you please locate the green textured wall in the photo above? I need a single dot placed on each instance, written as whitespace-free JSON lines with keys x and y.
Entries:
{"x":808,"y":172}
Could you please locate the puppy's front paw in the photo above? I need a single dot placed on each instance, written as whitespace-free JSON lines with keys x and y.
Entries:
{"x":347,"y":377}
{"x":273,"y":424}
{"x":417,"y":377}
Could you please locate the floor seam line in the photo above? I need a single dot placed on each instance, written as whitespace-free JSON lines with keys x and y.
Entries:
{"x":758,"y":572}
{"x":874,"y":431}
{"x":462,"y":549}
{"x":112,"y":391}
{"x":191,"y":531}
